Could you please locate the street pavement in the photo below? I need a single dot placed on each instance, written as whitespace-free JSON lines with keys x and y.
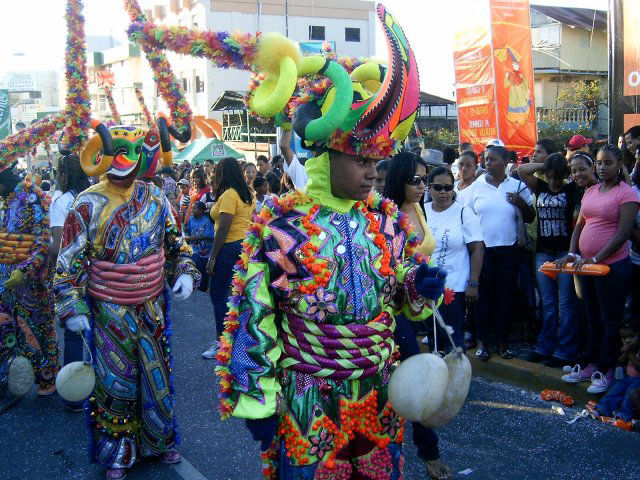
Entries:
{"x":503,"y":432}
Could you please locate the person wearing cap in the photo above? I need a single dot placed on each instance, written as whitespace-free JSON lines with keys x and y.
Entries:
{"x":184,"y":199}
{"x":578,"y":143}
{"x":322,"y":271}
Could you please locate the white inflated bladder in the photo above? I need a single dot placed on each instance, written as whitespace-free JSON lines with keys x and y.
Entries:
{"x":21,"y":376}
{"x":456,"y":392}
{"x":417,"y":387}
{"x":75,"y":381}
{"x":429,"y":389}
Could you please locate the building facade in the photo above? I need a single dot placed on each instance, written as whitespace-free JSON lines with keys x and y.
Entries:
{"x":568,"y":44}
{"x":349,"y":24}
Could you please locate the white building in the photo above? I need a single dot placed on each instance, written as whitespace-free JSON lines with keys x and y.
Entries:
{"x":31,"y":93}
{"x":350,"y":24}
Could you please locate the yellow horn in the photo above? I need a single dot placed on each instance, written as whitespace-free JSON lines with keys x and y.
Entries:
{"x":89,"y":153}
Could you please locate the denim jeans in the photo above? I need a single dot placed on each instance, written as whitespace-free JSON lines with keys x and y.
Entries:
{"x":604,"y":306}
{"x":453,"y":315}
{"x":495,"y":295}
{"x":425,"y":439}
{"x":618,"y":398}
{"x":73,"y":352}
{"x":220,"y":281}
{"x":559,"y":334}
{"x":201,"y":265}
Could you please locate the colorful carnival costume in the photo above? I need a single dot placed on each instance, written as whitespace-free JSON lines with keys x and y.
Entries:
{"x":120,"y":248}
{"x":308,"y":342}
{"x":26,"y":314}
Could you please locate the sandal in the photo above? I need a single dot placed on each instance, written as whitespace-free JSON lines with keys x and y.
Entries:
{"x":483,"y":354}
{"x":438,"y":470}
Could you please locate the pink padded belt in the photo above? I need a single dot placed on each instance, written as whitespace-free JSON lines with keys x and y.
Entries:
{"x":129,"y":283}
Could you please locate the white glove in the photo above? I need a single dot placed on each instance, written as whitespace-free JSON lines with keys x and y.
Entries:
{"x":183,"y":286}
{"x":78,"y":323}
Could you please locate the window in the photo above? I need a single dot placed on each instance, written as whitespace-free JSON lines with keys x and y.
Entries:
{"x":185,"y":85}
{"x":351,"y":34}
{"x":316,"y":32}
{"x":199,"y":85}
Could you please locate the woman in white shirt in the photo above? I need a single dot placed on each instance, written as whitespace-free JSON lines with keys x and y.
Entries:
{"x":459,"y":248}
{"x":467,"y":167}
{"x":498,"y":201}
{"x":71,"y":180}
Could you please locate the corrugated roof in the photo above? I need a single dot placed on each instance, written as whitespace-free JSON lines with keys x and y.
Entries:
{"x":577,"y":17}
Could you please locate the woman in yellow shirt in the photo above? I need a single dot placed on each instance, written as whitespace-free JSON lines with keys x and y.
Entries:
{"x":405,"y":185}
{"x":231,"y":214}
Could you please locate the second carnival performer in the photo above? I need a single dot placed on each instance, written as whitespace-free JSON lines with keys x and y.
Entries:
{"x":120,"y":248}
{"x":308,"y":342}
{"x":26,"y":312}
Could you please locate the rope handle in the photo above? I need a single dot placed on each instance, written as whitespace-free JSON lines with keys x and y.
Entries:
{"x":86,"y":349}
{"x":437,"y":317}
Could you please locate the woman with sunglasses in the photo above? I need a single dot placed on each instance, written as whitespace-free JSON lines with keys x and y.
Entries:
{"x":459,"y":248}
{"x":405,"y":185}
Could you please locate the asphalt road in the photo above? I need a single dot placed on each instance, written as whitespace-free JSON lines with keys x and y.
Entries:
{"x":502,"y":432}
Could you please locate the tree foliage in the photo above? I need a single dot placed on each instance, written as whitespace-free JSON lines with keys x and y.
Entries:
{"x":587,"y":94}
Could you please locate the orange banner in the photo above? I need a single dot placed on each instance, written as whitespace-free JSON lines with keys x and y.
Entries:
{"x":513,"y":66}
{"x":630,"y":21}
{"x":474,"y":87}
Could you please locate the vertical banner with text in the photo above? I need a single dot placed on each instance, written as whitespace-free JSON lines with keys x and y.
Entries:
{"x":631,"y":57}
{"x":513,"y":66}
{"x":474,"y":87}
{"x":494,"y":77}
{"x":5,"y":114}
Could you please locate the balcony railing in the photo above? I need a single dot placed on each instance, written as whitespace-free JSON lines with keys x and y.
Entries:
{"x":578,"y":115}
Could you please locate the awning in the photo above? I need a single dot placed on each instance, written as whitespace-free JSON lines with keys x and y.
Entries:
{"x":203,"y":149}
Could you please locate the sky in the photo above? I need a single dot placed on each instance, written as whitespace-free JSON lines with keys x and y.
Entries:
{"x":428,"y":24}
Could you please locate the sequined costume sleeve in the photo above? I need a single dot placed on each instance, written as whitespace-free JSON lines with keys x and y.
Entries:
{"x":178,"y":252}
{"x":69,"y":285}
{"x":38,"y":255}
{"x":249,"y":385}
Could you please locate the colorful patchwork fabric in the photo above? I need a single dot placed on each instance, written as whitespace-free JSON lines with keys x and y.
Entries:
{"x":327,"y":353}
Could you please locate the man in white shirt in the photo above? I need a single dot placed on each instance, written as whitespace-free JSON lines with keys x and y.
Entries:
{"x":292,"y":165}
{"x":499,"y":202}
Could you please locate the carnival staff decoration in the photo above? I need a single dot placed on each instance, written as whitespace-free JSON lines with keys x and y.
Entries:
{"x":120,"y":249}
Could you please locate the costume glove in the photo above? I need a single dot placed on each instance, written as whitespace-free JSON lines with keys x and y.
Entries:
{"x":15,"y":280}
{"x":183,"y":286}
{"x":430,"y":281}
{"x":263,"y":430}
{"x":77,"y":323}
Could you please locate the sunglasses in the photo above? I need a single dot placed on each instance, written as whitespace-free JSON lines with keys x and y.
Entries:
{"x":416,"y":179}
{"x":438,"y":188}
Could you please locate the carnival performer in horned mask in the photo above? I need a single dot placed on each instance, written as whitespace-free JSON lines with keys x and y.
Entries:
{"x":308,"y":342}
{"x":26,"y":315}
{"x":120,"y":249}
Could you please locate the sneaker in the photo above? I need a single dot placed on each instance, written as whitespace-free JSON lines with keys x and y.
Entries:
{"x":567,"y":368}
{"x":578,"y":374}
{"x":599,"y":383}
{"x":483,"y":355}
{"x":535,"y":357}
{"x":211,"y":352}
